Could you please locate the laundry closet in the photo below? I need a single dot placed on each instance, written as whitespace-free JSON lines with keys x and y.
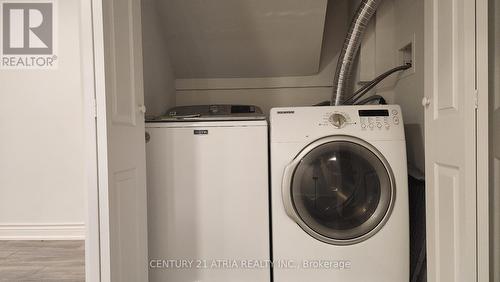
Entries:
{"x":161,"y":56}
{"x":279,"y":54}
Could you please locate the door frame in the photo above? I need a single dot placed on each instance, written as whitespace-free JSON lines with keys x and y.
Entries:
{"x":482,"y":142}
{"x":92,"y":48}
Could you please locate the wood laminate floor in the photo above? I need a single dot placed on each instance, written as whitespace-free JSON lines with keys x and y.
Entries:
{"x":29,"y":261}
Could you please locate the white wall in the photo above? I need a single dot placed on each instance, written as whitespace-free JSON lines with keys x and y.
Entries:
{"x":42,"y":174}
{"x":409,"y":90}
{"x":266,"y":98}
{"x":159,"y":89}
{"x":265,"y":38}
{"x":399,"y":22}
{"x":276,"y":91}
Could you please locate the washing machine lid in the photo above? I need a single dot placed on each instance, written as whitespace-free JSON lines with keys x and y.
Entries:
{"x":340,"y":190}
{"x":219,"y":112}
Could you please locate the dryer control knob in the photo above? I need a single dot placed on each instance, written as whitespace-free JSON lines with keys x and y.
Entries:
{"x":338,"y":120}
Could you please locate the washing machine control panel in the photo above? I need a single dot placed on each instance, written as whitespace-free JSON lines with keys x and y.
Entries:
{"x":378,"y":119}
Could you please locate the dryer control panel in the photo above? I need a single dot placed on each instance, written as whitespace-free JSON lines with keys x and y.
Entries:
{"x":378,"y":119}
{"x":369,"y":122}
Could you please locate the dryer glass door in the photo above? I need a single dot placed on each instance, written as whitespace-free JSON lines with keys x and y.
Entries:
{"x":341,"y":191}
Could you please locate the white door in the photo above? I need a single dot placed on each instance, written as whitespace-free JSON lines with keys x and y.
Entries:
{"x":121,"y":143}
{"x":450,"y":140}
{"x":495,"y":136}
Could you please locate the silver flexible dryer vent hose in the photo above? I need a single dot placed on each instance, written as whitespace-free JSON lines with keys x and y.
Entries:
{"x":352,"y":42}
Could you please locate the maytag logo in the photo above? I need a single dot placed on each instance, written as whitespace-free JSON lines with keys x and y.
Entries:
{"x":200,"y":132}
{"x":28,"y":35}
{"x":286,"y":112}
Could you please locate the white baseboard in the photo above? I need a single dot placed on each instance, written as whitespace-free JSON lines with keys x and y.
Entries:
{"x":69,"y":231}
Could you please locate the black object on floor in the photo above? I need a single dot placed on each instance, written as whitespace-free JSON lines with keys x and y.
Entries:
{"x":418,"y":260}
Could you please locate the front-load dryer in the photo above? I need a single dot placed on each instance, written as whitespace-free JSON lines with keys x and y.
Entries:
{"x":339,"y":194}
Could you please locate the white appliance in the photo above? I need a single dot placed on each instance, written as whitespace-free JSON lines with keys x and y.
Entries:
{"x":339,"y":194}
{"x":208,"y":203}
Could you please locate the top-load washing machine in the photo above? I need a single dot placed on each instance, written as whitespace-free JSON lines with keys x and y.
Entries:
{"x":339,"y":194}
{"x":208,"y":203}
